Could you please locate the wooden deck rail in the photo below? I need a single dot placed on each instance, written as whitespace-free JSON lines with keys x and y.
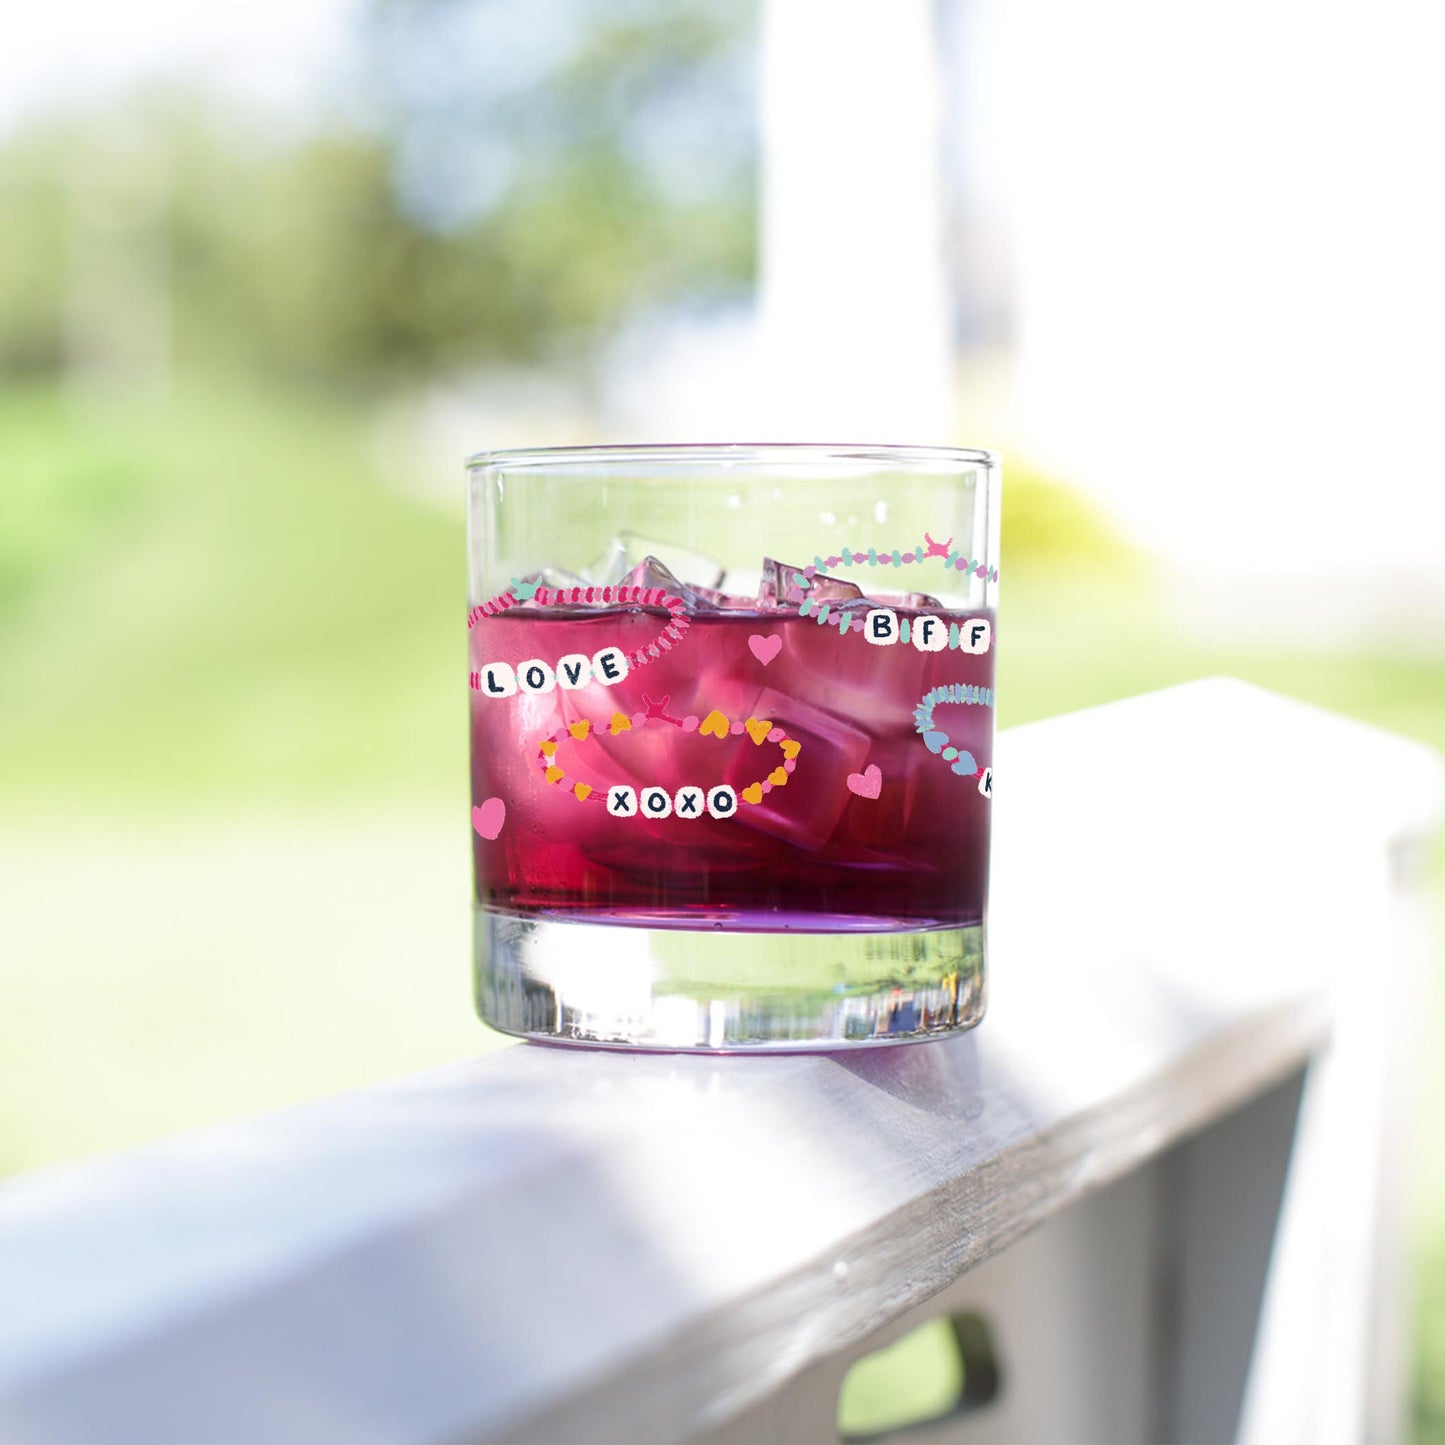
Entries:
{"x":1158,"y":1170}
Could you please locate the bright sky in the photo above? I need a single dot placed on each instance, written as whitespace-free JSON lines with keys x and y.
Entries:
{"x":59,"y":52}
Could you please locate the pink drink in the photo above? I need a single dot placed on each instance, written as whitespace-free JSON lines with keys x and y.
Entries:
{"x":799,"y":849}
{"x":721,"y":800}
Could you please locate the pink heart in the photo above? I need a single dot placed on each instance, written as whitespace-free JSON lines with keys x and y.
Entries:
{"x":765,"y":649}
{"x":488,"y":819}
{"x":868,"y":783}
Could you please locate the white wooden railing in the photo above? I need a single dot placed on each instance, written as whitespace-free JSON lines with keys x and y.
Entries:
{"x":1158,"y":1171}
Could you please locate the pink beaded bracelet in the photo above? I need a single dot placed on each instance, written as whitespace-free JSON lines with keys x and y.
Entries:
{"x":519,"y":592}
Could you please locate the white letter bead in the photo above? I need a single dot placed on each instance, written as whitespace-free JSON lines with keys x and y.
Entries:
{"x":655,"y":802}
{"x":690,"y":802}
{"x":880,"y":626}
{"x":574,"y":671}
{"x":975,"y":634}
{"x":622,"y":802}
{"x":609,"y":665}
{"x":985,"y":783}
{"x":928,"y":634}
{"x":498,"y":680}
{"x":722,"y":802}
{"x":535,"y":676}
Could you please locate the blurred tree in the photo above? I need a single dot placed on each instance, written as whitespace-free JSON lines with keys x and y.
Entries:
{"x":31,"y":231}
{"x":510,"y":185}
{"x":1049,"y":528}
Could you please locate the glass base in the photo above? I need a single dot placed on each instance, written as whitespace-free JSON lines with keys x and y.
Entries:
{"x":712,"y":990}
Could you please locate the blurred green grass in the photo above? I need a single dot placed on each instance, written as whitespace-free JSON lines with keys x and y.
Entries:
{"x":220,"y":599}
{"x":917,"y":1378}
{"x":234,"y":756}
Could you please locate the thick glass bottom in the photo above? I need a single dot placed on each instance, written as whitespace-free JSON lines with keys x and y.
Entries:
{"x":724,"y":991}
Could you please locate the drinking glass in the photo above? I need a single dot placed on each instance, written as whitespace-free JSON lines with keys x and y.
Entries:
{"x":731,"y":742}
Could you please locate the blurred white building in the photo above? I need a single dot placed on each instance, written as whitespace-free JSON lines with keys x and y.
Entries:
{"x":1186,"y":257}
{"x":1230,"y":307}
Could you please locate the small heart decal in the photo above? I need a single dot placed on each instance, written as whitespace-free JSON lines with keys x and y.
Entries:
{"x":555,"y":774}
{"x":580,"y":730}
{"x":714,"y":725}
{"x":758,"y":729}
{"x":778,"y":777}
{"x":582,"y":791}
{"x":489,"y":817}
{"x":620,"y":723}
{"x":753,"y":793}
{"x":935,"y":741}
{"x":765,"y":649}
{"x":868,"y":783}
{"x":790,"y":747}
{"x":965,"y":767}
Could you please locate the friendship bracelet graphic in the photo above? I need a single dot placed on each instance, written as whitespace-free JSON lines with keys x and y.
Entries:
{"x":881,"y":625}
{"x":608,"y":666}
{"x":936,"y":740}
{"x":874,"y":558}
{"x":691,"y":800}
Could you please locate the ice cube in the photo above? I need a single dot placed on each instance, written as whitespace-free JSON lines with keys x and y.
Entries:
{"x":557,"y":578}
{"x":786,"y":585}
{"x":628,"y":550}
{"x":782,"y":585}
{"x":909,"y":601}
{"x":652,"y":573}
{"x":835,"y":591}
{"x":805,"y":810}
{"x":724,"y":601}
{"x":647,"y":573}
{"x":610,"y":566}
{"x":623,"y":752}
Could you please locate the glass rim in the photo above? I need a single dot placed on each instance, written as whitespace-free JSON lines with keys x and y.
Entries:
{"x":696,"y":453}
